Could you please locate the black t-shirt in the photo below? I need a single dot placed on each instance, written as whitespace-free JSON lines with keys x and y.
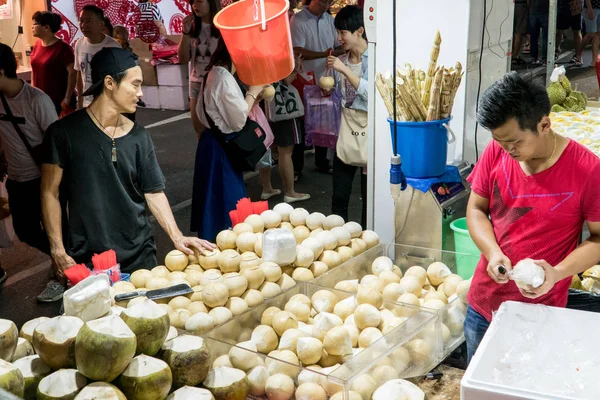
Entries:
{"x":106,"y":203}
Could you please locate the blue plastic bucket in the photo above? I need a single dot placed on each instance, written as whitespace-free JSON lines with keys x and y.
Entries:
{"x":423,"y":146}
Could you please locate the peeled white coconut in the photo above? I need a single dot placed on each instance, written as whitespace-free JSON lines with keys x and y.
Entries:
{"x":257,"y":378}
{"x":381,"y":264}
{"x":178,"y":302}
{"x":301,"y":233}
{"x":316,"y":232}
{"x":246,"y":241}
{"x":279,"y":387}
{"x":199,"y":323}
{"x":387,"y":277}
{"x":284,"y":210}
{"x":358,"y":245}
{"x":188,"y":358}
{"x":285,"y":282}
{"x":138,"y":278}
{"x":159,"y":272}
{"x":150,"y":324}
{"x":215,"y":295}
{"x":411,"y":284}
{"x":328,"y":239}
{"x":367,"y":315}
{"x":338,"y":342}
{"x":352,"y":395}
{"x":408,"y":298}
{"x":157,"y":283}
{"x":177,"y":276}
{"x":179,"y":317}
{"x":101,"y":390}
{"x":331,"y":258}
{"x":342,"y":235}
{"x":419,"y":349}
{"x":242,"y":227}
{"x":284,"y":320}
{"x":226,"y":239}
{"x":304,"y":257}
{"x":332,"y":221}
{"x":256,"y":222}
{"x":345,"y":307}
{"x":191,"y":393}
{"x":364,"y":385}
{"x":371,"y":238}
{"x":258,"y":246}
{"x":254,"y":276}
{"x":54,"y":341}
{"x":270,"y":289}
{"x":315,"y":221}
{"x":227,"y":383}
{"x":527,"y":273}
{"x":299,"y":309}
{"x":236,"y":284}
{"x":313,"y":244}
{"x":249,"y":259}
{"x":253,"y":297}
{"x":236,"y":305}
{"x":417,"y":272}
{"x":230,"y":260}
{"x":289,"y":339}
{"x":271,"y":270}
{"x":345,"y":252}
{"x":8,"y":339}
{"x":209,"y":260}
{"x":284,"y":362}
{"x":326,"y":321}
{"x":369,"y":336}
{"x":287,"y":226}
{"x":462,"y":289}
{"x":210,"y":276}
{"x":146,"y":377}
{"x":367,"y":295}
{"x":350,"y":285}
{"x":451,"y":284}
{"x":176,"y":260}
{"x":103,"y":348}
{"x":309,"y":350}
{"x":324,"y":301}
{"x":243,"y":356}
{"x":28,"y":327}
{"x":33,"y":370}
{"x":437,"y":272}
{"x":220,"y":315}
{"x":62,"y":384}
{"x":264,"y":338}
{"x":330,"y":387}
{"x":398,"y":389}
{"x":318,"y":268}
{"x":354,"y":228}
{"x":222,"y":361}
{"x":298,"y":216}
{"x":271,"y":219}
{"x":24,"y":349}
{"x":455,"y":320}
{"x":173,"y":333}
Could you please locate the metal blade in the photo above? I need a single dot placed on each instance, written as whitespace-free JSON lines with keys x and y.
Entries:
{"x":430,"y":376}
{"x":173,"y":291}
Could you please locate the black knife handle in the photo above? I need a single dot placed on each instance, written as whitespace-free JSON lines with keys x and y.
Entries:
{"x":127,"y":296}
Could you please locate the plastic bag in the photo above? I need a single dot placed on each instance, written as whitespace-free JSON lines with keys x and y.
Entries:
{"x":526,"y":272}
{"x":89,"y":299}
{"x":266,"y":161}
{"x":557,"y":73}
{"x":279,"y":246}
{"x":322,"y":117}
{"x":114,"y":273}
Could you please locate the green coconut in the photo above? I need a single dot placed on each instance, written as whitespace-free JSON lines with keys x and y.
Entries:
{"x":33,"y":370}
{"x":54,"y":341}
{"x":11,"y":378}
{"x":150,"y":323}
{"x":227,"y":383}
{"x":146,"y":378}
{"x":101,"y":391}
{"x":189,"y":359}
{"x":24,"y":349}
{"x":8,"y":339}
{"x":28,"y":327}
{"x":104,"y":347}
{"x":191,"y":393}
{"x":64,"y":384}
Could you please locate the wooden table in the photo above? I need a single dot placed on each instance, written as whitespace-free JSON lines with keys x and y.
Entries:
{"x":446,"y":388}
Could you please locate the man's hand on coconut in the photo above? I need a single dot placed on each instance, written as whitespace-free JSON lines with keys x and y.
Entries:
{"x":190,"y":245}
{"x":496,"y":260}
{"x":552,"y":276}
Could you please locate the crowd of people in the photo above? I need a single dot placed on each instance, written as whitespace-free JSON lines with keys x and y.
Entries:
{"x":71,"y":134}
{"x":581,"y":17}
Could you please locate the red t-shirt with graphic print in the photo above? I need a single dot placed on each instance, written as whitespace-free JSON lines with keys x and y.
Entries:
{"x":538,"y":217}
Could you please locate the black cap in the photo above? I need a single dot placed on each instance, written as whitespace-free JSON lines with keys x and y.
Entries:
{"x":109,"y":61}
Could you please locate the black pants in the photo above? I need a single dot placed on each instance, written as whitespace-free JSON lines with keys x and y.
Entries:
{"x":343,"y":176}
{"x":26,"y":210}
{"x":321,"y":161}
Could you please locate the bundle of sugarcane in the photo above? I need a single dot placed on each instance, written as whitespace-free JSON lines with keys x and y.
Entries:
{"x":422,"y":96}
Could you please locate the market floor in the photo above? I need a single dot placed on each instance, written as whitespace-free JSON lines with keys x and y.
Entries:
{"x":175,"y":145}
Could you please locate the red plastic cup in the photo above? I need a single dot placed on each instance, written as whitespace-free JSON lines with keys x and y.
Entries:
{"x":260,"y":56}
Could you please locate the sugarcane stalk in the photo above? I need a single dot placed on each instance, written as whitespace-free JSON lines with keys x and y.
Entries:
{"x":456,"y":84}
{"x":433,"y":59}
{"x":433,"y":112}
{"x":412,"y":97}
{"x":447,"y":88}
{"x":383,"y":91}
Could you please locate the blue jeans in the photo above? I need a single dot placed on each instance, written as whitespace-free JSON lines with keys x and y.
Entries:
{"x":538,"y":20}
{"x":475,"y":328}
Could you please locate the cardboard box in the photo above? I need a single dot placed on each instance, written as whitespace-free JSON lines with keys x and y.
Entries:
{"x":174,"y":97}
{"x":151,"y":97}
{"x":149,"y":73}
{"x":173,"y":75}
{"x":141,"y":48}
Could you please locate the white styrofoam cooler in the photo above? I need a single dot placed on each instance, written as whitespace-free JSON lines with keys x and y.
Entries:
{"x":536,"y":352}
{"x":151,"y":97}
{"x":174,"y":97}
{"x":173,"y":74}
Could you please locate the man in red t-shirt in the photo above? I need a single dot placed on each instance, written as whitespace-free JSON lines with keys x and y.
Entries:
{"x":52,"y":62}
{"x":531,"y":192}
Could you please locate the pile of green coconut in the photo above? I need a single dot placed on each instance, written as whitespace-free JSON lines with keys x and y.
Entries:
{"x":134,"y":354}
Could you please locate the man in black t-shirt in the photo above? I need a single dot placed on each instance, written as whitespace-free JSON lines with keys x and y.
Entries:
{"x":107,"y":167}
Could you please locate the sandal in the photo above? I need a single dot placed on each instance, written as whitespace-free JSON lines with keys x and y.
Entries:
{"x":518,"y":61}
{"x":576,"y":61}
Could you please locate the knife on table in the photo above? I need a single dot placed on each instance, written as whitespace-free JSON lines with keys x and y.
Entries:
{"x":178,"y":290}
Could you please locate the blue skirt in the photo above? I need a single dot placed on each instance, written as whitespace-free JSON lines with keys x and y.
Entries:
{"x":217,"y":188}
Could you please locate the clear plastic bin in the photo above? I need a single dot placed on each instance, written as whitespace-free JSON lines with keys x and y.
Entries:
{"x":405,"y":257}
{"x":351,"y":373}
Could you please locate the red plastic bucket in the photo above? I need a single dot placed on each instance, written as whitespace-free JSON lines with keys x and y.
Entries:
{"x":260,"y":56}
